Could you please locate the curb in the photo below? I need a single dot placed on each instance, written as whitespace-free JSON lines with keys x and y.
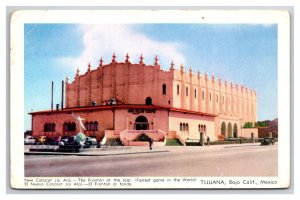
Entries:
{"x":85,"y":154}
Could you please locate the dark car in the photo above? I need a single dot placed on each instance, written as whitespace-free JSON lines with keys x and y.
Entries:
{"x":71,"y":145}
{"x":56,"y":140}
{"x":48,"y":141}
{"x":90,"y":142}
{"x":64,"y":139}
{"x":267,"y":141}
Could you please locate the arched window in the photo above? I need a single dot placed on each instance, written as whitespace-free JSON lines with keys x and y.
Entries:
{"x":202,"y":95}
{"x":96,"y":126}
{"x":53,"y":126}
{"x":210,"y":96}
{"x":183,"y":127}
{"x":148,"y":101}
{"x":204,"y":128}
{"x":164,"y":89}
{"x":180,"y":127}
{"x":195,"y":93}
{"x":45,"y":127}
{"x":187,"y":127}
{"x":177,"y":89}
{"x":87,"y":126}
{"x":73,"y":127}
{"x":187,"y":91}
{"x":217,"y":98}
{"x":223,"y":129}
{"x":235,"y":130}
{"x":199,"y":128}
{"x":229,"y":130}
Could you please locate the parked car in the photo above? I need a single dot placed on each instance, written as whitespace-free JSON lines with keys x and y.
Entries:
{"x":90,"y":141}
{"x":267,"y":141}
{"x":49,"y":141}
{"x":72,"y":141}
{"x":40,"y":139}
{"x":64,"y":139}
{"x":29,"y":140}
{"x":56,"y":140}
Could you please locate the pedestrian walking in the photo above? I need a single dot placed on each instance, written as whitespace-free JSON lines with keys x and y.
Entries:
{"x":150,"y":143}
{"x":207,"y":140}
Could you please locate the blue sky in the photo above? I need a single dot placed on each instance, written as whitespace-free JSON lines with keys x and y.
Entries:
{"x":242,"y":53}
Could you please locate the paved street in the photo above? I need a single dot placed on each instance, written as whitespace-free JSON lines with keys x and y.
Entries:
{"x":223,"y":160}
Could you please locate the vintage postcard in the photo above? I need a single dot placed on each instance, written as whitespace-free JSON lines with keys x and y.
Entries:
{"x":129,"y":99}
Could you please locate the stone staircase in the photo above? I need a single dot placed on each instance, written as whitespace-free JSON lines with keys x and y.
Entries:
{"x":128,"y":137}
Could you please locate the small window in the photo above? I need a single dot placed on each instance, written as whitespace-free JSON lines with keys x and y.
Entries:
{"x":187,"y":127}
{"x":187,"y":91}
{"x":195,"y":93}
{"x":180,"y":127}
{"x":203,"y":95}
{"x":164,"y":89}
{"x":177,"y":89}
{"x":210,"y":96}
{"x":183,"y":128}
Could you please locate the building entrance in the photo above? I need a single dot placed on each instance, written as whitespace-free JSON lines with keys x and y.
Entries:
{"x":141,"y":123}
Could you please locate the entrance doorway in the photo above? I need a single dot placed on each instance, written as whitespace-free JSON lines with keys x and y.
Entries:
{"x":141,"y":123}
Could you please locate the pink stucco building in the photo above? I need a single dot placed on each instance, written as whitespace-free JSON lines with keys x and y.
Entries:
{"x":124,"y":99}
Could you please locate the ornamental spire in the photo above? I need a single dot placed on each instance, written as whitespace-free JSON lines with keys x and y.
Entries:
{"x":100,"y":62}
{"x":172,"y":65}
{"x":156,"y":61}
{"x":181,"y":68}
{"x":77,"y":71}
{"x":127,"y":58}
{"x":67,"y":79}
{"x":89,"y":67}
{"x":141,"y":59}
{"x":191,"y":70}
{"x":198,"y":73}
{"x":113,"y":58}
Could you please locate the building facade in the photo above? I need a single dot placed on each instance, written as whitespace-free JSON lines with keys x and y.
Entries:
{"x":123,"y":99}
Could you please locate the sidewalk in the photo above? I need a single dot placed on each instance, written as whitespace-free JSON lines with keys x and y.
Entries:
{"x":104,"y":151}
{"x":121,"y":150}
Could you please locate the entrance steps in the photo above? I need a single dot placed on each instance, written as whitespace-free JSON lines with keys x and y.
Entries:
{"x":129,"y":137}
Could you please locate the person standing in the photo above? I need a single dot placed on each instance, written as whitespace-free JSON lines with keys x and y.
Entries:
{"x":208,"y":140}
{"x":150,"y":143}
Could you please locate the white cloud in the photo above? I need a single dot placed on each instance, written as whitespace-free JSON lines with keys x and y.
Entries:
{"x":104,"y":40}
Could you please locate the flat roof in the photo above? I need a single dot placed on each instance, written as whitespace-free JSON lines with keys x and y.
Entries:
{"x":121,"y":106}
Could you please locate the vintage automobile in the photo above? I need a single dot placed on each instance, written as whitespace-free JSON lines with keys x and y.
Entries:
{"x":29,"y":140}
{"x":56,"y":140}
{"x":90,"y":142}
{"x":40,"y":139}
{"x":267,"y":141}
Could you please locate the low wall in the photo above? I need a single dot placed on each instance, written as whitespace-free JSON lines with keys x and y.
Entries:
{"x":110,"y":134}
{"x":171,"y":135}
{"x":246,"y":132}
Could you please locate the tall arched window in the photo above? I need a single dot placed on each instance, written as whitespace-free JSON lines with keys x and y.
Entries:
{"x":53,"y":127}
{"x":180,"y":127}
{"x":187,"y":127}
{"x":45,"y":127}
{"x":164,"y":89}
{"x":229,"y":130}
{"x":187,"y":91}
{"x":87,"y":126}
{"x":223,"y":129}
{"x":195,"y":93}
{"x":73,"y":126}
{"x":177,"y":89}
{"x":183,"y":127}
{"x":95,"y":126}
